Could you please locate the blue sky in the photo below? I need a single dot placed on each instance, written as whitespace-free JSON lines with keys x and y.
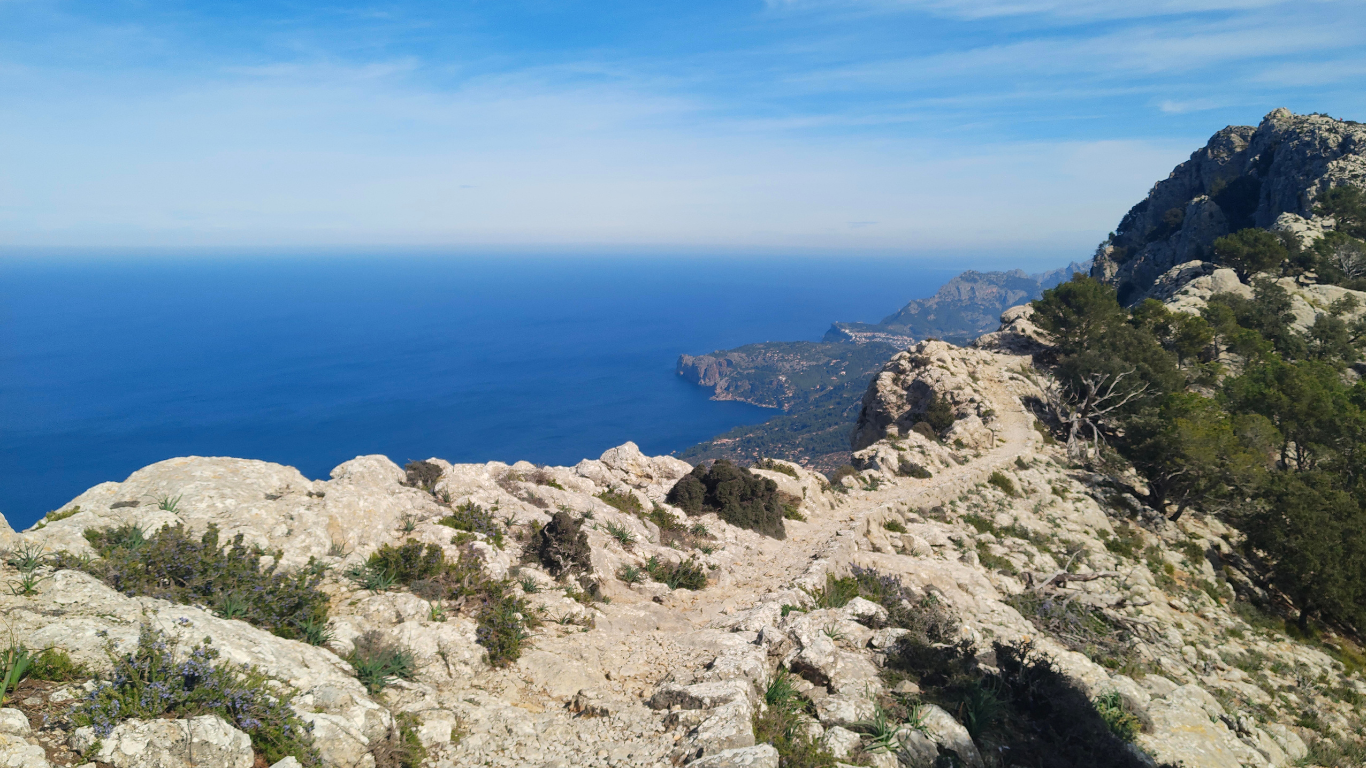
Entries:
{"x":869,"y":125}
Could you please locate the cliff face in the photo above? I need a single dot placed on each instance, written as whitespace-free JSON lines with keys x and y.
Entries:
{"x":1243,"y":177}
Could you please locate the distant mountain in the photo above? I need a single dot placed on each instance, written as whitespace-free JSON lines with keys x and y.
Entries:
{"x":965,"y":307}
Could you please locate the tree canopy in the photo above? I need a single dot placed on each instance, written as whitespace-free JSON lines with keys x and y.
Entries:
{"x":1233,"y":412}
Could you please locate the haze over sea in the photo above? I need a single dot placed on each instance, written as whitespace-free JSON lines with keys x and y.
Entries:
{"x":111,"y":364}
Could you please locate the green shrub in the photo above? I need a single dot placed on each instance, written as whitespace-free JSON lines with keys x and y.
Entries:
{"x":378,"y":661}
{"x":150,"y":682}
{"x":56,"y":515}
{"x":836,"y":593}
{"x":561,"y":546}
{"x":1126,"y":543}
{"x":993,"y":561}
{"x":1004,"y":483}
{"x":407,"y":563}
{"x":685,"y":574}
{"x":911,"y":469}
{"x":773,"y":466}
{"x":502,"y":624}
{"x":56,"y":665}
{"x":422,"y":474}
{"x":172,"y":565}
{"x":939,"y":414}
{"x":1193,"y":551}
{"x":623,"y":501}
{"x":894,"y":526}
{"x":630,"y":574}
{"x":737,"y":495}
{"x":1122,"y":723}
{"x":475,"y":519}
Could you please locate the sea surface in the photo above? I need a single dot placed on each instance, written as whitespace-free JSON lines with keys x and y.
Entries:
{"x":109,"y":363}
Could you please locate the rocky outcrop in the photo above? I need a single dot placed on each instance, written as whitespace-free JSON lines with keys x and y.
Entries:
{"x":898,"y":398}
{"x":1267,"y":176}
{"x":198,"y":742}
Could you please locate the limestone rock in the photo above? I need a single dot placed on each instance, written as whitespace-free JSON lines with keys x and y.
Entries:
{"x":761,"y":756}
{"x":841,"y":741}
{"x":18,"y":749}
{"x":199,"y":742}
{"x":949,"y":734}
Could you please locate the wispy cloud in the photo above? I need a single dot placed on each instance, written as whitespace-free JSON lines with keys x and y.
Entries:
{"x":873,"y":124}
{"x":1068,"y":9}
{"x":1174,"y":107}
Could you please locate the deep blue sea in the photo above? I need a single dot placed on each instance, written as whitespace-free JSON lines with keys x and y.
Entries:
{"x":110,"y":363}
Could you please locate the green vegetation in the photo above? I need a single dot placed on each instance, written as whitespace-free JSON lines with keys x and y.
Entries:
{"x":1117,"y":716}
{"x":1004,"y":483}
{"x":630,"y":574}
{"x":151,"y":682}
{"x":402,"y":746}
{"x":172,"y":565}
{"x":1278,"y":446}
{"x":561,"y":546}
{"x":1027,"y":708}
{"x":1080,"y":628}
{"x":422,"y":474}
{"x":501,"y":614}
{"x":623,"y":535}
{"x":475,"y":519}
{"x":938,"y":414}
{"x":735,"y":494}
{"x":684,"y":574}
{"x":407,"y":563}
{"x":56,"y":515}
{"x":908,"y":468}
{"x":783,"y":724}
{"x":378,"y":661}
{"x":622,"y":501}
{"x":773,"y":466}
{"x":1249,"y":251}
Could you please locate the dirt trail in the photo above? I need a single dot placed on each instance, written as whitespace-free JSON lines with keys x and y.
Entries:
{"x":811,"y":549}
